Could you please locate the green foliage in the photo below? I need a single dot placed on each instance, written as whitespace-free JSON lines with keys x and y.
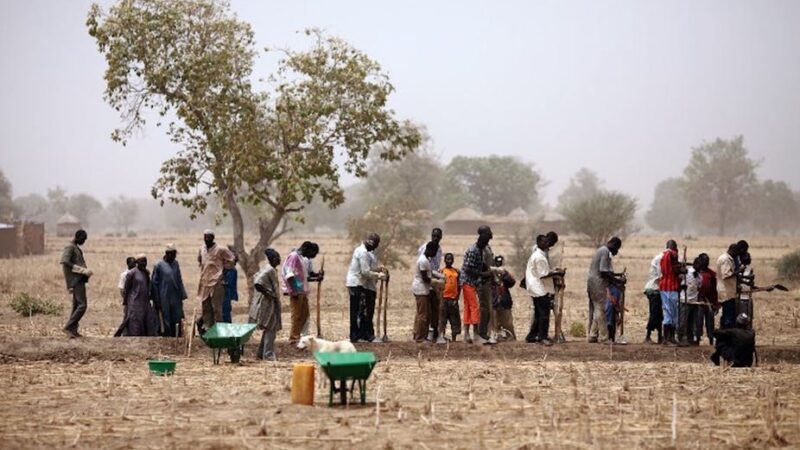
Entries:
{"x":27,"y":305}
{"x":719,"y":179}
{"x":6,"y":204}
{"x":583,"y":185}
{"x":601,"y":216}
{"x":774,"y":207}
{"x":416,"y":179}
{"x":669,"y":210}
{"x":491,"y":184}
{"x":400,"y":227}
{"x":191,"y":61}
{"x":577,"y":329}
{"x":788,"y":266}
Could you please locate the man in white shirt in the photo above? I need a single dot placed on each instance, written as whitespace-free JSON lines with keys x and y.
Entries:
{"x":421,"y":288}
{"x":361,"y":275}
{"x":436,"y":264}
{"x":539,"y":284}
{"x":653,"y":295}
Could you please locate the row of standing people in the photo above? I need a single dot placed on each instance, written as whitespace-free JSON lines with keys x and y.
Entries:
{"x":485,"y":285}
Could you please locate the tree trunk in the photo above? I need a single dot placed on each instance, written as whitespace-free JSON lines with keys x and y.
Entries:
{"x":249,"y":261}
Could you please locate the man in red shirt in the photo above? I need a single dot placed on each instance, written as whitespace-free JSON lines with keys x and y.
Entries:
{"x":670,"y":286}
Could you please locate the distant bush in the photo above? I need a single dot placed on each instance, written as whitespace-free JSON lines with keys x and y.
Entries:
{"x":789,"y":266}
{"x":26,"y":305}
{"x":577,"y":329}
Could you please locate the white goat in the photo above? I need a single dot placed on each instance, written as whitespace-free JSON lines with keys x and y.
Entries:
{"x":321,"y":345}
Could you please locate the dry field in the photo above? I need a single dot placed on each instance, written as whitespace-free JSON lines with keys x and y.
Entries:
{"x":96,"y":392}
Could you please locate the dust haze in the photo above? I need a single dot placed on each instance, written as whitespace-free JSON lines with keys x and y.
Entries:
{"x":625,"y":90}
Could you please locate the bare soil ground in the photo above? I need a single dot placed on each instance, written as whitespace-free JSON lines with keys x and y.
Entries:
{"x":96,"y":392}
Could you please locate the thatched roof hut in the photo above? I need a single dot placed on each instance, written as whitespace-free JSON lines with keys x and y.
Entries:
{"x":67,"y":225}
{"x":464,"y":221}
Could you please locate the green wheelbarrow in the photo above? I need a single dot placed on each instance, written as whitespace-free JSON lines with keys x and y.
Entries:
{"x":228,"y":336}
{"x":343,"y":367}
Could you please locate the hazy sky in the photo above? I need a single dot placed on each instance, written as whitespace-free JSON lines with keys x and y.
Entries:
{"x":623,"y":87}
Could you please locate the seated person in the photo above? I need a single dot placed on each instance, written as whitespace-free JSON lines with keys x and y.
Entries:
{"x":737,"y":346}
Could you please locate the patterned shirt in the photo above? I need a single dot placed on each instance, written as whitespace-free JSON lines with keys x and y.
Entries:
{"x":670,"y":280}
{"x":473,"y":262}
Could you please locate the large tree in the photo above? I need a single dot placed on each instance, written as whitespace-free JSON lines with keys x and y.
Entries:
{"x":669,"y":210}
{"x":492,"y":184}
{"x":58,"y":200}
{"x":31,"y":207}
{"x":584,"y":184}
{"x":774,"y":207}
{"x":192,"y":61}
{"x":415,"y":180}
{"x":83,"y":206}
{"x":601,"y":216}
{"x":6,"y":204}
{"x":720,"y":179}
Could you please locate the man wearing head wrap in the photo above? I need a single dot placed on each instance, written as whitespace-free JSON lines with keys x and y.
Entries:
{"x":169,"y":291}
{"x":265,"y":311}
{"x":142,"y":319}
{"x":362,"y":275}
{"x":76,"y":275}
{"x":212,"y":259}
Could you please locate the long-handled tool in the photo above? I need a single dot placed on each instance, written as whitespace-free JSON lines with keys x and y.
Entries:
{"x":380,"y":301}
{"x":191,"y":336}
{"x":319,"y":295}
{"x":561,"y":286}
{"x":385,"y":337}
{"x":622,"y":339}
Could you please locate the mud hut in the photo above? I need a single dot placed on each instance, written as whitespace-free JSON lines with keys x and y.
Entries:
{"x":464,"y":221}
{"x":553,"y":221}
{"x":8,"y":240}
{"x":21,"y":238}
{"x":67,"y":225}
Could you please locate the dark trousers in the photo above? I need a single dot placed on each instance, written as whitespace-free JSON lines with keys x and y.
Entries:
{"x":435,"y":303}
{"x":362,"y":310}
{"x":541,"y":318}
{"x":687,"y":321}
{"x":728,"y":317}
{"x":449,"y":313}
{"x":656,"y":316}
{"x":172,"y":313}
{"x":79,"y":305}
{"x":367,"y":316}
{"x":705,"y":316}
{"x":485,"y":305}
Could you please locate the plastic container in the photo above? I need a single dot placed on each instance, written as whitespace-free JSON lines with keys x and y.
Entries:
{"x":303,"y":384}
{"x":162,"y":367}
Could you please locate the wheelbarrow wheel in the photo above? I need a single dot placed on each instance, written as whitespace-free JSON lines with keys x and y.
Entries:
{"x":236,"y":354}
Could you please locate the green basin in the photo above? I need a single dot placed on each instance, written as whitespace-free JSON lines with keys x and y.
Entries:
{"x":339,"y":366}
{"x":228,"y":335}
{"x":162,"y":367}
